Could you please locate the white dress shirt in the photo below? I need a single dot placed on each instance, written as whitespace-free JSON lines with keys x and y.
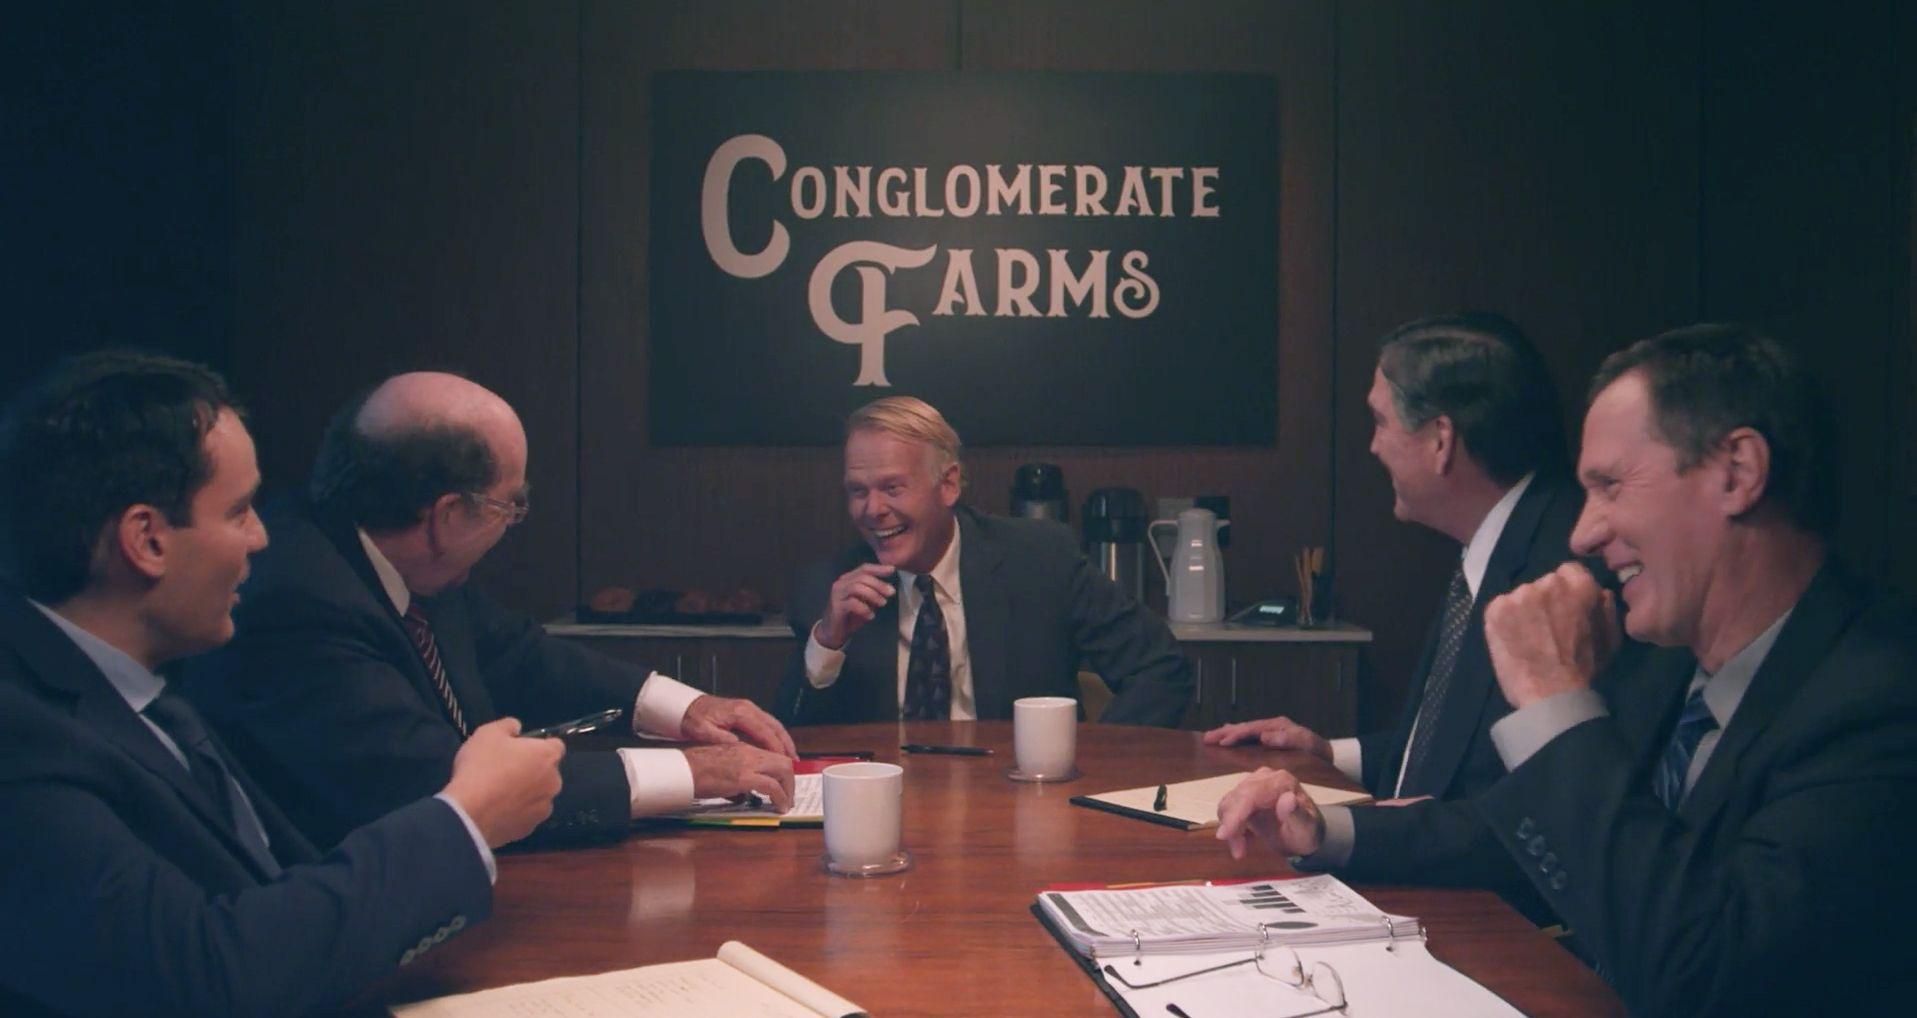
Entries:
{"x":823,"y":664}
{"x":657,"y":780}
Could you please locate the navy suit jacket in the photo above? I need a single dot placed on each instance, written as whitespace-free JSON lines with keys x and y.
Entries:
{"x":1035,"y":610}
{"x":323,"y":696}
{"x":1462,"y":762}
{"x":124,"y":891}
{"x":1782,"y":884}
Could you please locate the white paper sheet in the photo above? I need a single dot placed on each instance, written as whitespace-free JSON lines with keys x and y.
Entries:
{"x":1377,"y":984}
{"x":1196,"y":802}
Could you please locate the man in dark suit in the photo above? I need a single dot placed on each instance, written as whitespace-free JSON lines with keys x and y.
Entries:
{"x":1725,"y":823}
{"x":944,"y":612}
{"x":384,"y":659}
{"x":1467,"y":423}
{"x":141,"y":870}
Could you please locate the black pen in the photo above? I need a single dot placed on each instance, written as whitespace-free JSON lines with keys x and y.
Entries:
{"x":1175,"y":1009}
{"x":1158,"y":804}
{"x":914,"y":747}
{"x":827,"y":754}
{"x":577,"y":726}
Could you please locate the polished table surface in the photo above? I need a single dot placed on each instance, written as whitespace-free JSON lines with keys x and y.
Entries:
{"x":953,"y":935}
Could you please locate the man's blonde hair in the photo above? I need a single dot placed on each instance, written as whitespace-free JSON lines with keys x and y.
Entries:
{"x":913,"y":420}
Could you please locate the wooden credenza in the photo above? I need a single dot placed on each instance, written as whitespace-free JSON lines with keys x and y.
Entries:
{"x":1241,"y":672}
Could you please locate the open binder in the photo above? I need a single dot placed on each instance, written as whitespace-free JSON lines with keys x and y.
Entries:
{"x":1193,"y":946}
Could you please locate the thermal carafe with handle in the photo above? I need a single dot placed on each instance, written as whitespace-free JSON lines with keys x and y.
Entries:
{"x":1195,"y":579}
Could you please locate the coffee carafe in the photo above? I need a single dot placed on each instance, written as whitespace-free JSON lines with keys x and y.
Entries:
{"x":1038,"y":492}
{"x":1115,"y":537}
{"x":1195,"y":580}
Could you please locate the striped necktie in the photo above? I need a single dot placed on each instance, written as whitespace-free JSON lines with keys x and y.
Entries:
{"x":1692,"y":725}
{"x":422,"y":633}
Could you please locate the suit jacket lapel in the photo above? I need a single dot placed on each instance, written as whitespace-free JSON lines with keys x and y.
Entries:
{"x":66,"y":671}
{"x":1821,"y":616}
{"x":456,"y":650}
{"x":1472,"y":680}
{"x":988,"y":618}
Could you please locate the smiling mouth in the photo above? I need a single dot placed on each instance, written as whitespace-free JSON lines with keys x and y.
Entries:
{"x":1629,"y":573}
{"x":888,"y":533}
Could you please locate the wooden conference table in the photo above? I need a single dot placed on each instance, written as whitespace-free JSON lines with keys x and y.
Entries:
{"x":952,"y":936}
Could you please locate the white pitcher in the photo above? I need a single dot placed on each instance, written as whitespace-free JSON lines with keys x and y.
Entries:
{"x":1195,"y":581}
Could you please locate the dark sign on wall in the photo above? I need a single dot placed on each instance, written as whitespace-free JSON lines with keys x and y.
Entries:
{"x":1049,"y":258}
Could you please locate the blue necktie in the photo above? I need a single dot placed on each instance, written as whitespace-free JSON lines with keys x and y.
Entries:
{"x":182,"y":723}
{"x":1692,"y":724}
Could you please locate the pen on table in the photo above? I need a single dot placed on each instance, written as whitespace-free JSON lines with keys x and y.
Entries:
{"x":915,"y":747}
{"x":827,"y":754}
{"x":1175,"y":1009}
{"x":1158,"y":802}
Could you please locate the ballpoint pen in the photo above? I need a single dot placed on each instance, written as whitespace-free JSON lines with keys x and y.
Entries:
{"x":916,"y":747}
{"x":1158,"y":802}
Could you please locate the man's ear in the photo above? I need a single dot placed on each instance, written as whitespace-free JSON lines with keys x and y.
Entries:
{"x":1444,"y":444}
{"x":141,"y":537}
{"x":1746,"y":461}
{"x":439,"y":519}
{"x":949,"y":485}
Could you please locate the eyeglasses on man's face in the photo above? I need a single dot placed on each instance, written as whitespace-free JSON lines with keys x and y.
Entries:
{"x":515,"y":510}
{"x":1278,"y":963}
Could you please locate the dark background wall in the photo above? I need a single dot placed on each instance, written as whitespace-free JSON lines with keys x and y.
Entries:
{"x":311,"y":195}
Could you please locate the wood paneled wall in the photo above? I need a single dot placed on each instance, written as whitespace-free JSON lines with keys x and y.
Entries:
{"x":452,"y":184}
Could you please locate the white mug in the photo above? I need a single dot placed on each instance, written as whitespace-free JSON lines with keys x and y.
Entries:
{"x":863,"y":814}
{"x":1045,"y":736}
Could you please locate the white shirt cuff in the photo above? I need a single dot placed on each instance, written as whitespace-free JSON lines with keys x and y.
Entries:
{"x":660,"y":780}
{"x":1521,"y":733}
{"x":1348,"y":756}
{"x":479,"y":840}
{"x":1335,"y":850}
{"x":661,"y":706}
{"x":822,"y":663}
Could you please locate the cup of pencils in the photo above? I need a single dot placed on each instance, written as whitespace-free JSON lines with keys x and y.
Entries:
{"x":1310,"y":565}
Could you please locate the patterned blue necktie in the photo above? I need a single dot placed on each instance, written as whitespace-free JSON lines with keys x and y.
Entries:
{"x":1692,"y":725}
{"x":928,"y":670}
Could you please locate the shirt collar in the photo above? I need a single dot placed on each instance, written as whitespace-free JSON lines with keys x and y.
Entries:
{"x":1724,"y":689}
{"x":1477,"y":554}
{"x":945,"y":575}
{"x":389,"y":578}
{"x":131,"y":679}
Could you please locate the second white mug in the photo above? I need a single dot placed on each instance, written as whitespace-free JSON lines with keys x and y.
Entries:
{"x":1045,"y":737}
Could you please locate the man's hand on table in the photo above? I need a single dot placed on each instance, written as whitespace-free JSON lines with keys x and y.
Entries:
{"x":1552,"y":635}
{"x":720,"y":720}
{"x":735,"y":768}
{"x":1273,"y":805}
{"x":1272,"y":733}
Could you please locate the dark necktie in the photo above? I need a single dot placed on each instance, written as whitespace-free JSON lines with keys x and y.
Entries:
{"x":182,"y":724}
{"x":1437,"y":681}
{"x":422,"y":633}
{"x":1693,"y":723}
{"x":928,"y":671}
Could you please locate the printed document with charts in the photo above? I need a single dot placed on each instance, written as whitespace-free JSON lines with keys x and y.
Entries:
{"x":740,"y":981}
{"x":1147,"y":944}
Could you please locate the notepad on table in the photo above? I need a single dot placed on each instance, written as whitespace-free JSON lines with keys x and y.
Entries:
{"x":738,"y":981}
{"x":808,"y":808}
{"x":1193,"y":805}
